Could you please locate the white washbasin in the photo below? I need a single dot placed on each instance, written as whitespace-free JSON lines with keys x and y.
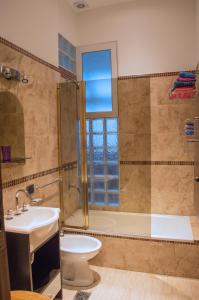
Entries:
{"x":35,"y":218}
{"x":39,"y":223}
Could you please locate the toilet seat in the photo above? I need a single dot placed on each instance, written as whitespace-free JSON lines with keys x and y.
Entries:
{"x":78,"y":244}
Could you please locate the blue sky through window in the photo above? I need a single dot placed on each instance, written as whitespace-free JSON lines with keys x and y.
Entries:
{"x":97,"y":73}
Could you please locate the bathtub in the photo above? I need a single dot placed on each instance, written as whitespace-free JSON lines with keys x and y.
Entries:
{"x":168,"y":227}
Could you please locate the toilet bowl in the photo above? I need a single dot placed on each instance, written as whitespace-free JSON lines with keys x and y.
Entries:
{"x":76,"y":250}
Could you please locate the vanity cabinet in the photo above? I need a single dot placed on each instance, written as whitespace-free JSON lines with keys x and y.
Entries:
{"x":4,"y":276}
{"x":35,"y":270}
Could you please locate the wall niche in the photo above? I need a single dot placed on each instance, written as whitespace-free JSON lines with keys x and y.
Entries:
{"x":12,"y":127}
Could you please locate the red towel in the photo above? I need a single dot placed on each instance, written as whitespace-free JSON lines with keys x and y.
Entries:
{"x":183,"y":93}
{"x":184,"y":89}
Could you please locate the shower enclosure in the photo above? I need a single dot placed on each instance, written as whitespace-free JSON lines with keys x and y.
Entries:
{"x":91,"y":168}
{"x":131,"y":172}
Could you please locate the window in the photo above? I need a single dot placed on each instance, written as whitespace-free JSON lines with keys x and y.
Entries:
{"x":67,"y":54}
{"x":97,"y":66}
{"x":97,"y":73}
{"x":102,"y":159}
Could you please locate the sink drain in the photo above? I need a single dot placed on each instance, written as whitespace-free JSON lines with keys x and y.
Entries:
{"x":82,"y":296}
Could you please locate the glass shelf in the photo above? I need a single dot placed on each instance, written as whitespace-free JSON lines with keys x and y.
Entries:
{"x":15,"y":161}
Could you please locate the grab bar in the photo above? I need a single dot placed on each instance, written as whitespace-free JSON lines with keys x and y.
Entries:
{"x":37,"y":187}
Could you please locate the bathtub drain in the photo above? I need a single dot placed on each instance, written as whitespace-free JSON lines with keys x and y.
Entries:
{"x":82,"y":296}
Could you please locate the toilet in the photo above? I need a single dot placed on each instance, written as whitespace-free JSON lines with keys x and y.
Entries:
{"x":76,"y":251}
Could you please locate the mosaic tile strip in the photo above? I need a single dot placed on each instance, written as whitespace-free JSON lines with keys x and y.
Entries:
{"x":72,"y":165}
{"x":158,"y":163}
{"x":152,"y":75}
{"x":17,"y":181}
{"x":128,"y":237}
{"x":65,"y":74}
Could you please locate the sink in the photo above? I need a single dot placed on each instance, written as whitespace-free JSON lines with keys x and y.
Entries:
{"x":38,"y":222}
{"x":35,"y":218}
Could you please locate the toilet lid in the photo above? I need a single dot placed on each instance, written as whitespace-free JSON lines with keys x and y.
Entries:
{"x":74,"y":243}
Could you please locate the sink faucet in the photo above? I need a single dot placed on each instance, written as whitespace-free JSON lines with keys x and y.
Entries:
{"x":24,"y":208}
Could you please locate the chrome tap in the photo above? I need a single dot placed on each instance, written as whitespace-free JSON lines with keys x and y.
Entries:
{"x":24,"y":206}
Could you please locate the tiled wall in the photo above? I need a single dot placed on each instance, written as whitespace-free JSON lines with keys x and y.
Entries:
{"x":150,"y":256}
{"x":38,"y":99}
{"x":172,"y":185}
{"x":157,"y":169}
{"x":135,"y":144}
{"x":156,"y":163}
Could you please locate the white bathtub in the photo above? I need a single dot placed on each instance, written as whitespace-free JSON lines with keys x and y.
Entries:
{"x":168,"y":227}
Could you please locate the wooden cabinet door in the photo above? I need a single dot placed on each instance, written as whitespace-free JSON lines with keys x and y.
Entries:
{"x":4,"y":275}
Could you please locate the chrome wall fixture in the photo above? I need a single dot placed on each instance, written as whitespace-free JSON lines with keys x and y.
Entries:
{"x":12,"y":74}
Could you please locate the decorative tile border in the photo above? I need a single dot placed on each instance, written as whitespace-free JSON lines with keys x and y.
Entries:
{"x":157,"y":163}
{"x":17,"y":181}
{"x":64,"y":73}
{"x":128,"y":237}
{"x":152,"y":75}
{"x":72,"y":165}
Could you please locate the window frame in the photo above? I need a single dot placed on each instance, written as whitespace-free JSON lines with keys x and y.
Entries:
{"x":71,"y":58}
{"x":99,"y":47}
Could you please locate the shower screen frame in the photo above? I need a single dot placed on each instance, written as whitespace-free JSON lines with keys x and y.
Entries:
{"x":83,"y":155}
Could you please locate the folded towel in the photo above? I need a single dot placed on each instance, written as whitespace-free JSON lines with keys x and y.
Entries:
{"x":186,"y":79}
{"x":184,"y":89}
{"x":187,"y":75}
{"x":182,"y":94}
{"x":178,"y":84}
{"x":189,"y":132}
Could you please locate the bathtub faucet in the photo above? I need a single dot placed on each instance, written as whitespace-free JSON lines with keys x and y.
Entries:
{"x":71,"y":186}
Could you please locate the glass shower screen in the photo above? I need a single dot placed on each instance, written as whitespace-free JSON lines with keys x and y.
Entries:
{"x":72,"y":149}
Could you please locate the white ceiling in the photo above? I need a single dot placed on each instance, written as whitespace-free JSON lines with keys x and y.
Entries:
{"x":92,"y":4}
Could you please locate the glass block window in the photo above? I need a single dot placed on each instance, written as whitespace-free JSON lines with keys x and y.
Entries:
{"x":102,"y":159}
{"x":67,"y":54}
{"x":97,"y":73}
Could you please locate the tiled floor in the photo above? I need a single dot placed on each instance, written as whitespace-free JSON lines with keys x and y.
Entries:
{"x":128,"y":285}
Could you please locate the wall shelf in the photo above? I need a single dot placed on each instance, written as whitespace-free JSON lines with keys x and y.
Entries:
{"x":15,"y":161}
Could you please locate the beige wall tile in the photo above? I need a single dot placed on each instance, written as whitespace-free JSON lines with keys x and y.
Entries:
{"x":135,"y":188}
{"x":148,"y":256}
{"x":172,"y":190}
{"x":38,"y":100}
{"x":151,"y":128}
{"x":134,"y":147}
